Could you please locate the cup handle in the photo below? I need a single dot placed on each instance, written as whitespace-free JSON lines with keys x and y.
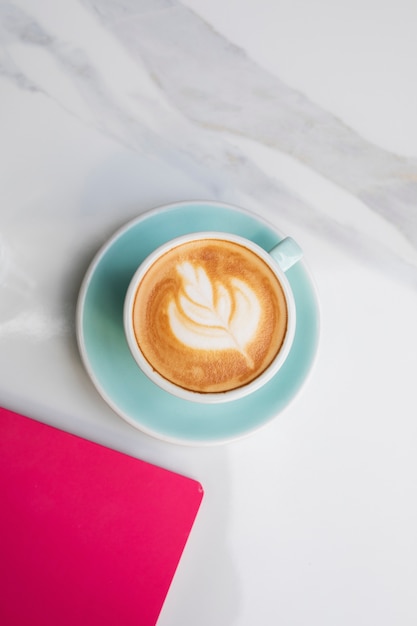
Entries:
{"x":286,"y":253}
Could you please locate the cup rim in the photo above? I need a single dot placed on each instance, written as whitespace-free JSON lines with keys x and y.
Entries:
{"x":208,"y":397}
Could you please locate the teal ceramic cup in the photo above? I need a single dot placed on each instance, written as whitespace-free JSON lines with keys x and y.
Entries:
{"x":279,"y":259}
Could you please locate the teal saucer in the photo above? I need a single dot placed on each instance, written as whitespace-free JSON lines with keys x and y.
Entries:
{"x":108,"y":360}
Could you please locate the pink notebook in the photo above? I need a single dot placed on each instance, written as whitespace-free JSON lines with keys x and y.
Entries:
{"x":88,"y":536}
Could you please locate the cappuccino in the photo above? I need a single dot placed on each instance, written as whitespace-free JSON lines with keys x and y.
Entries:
{"x":209,"y":315}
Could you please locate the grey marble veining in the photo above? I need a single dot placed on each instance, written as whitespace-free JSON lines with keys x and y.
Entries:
{"x":216,"y":85}
{"x":208,"y":90}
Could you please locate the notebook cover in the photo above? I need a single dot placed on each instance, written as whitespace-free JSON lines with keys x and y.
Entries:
{"x":88,"y":535}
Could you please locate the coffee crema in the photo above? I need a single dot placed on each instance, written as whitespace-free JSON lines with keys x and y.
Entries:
{"x":209,"y":315}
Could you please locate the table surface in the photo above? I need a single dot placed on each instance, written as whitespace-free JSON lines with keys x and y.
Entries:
{"x":304,"y":114}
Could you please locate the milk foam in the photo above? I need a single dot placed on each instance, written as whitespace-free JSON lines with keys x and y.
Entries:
{"x":209,"y":315}
{"x":214,"y":315}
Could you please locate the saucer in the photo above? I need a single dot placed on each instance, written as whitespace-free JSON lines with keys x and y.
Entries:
{"x":107,"y":357}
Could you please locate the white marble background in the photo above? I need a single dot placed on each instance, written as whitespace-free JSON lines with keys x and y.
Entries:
{"x":305,"y":113}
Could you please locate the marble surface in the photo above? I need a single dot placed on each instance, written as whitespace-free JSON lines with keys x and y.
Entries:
{"x":303,"y":113}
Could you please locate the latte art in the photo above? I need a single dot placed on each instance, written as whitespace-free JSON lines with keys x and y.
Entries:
{"x":209,"y":315}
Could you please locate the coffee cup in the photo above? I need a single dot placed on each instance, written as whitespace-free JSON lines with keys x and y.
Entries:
{"x":210,"y":316}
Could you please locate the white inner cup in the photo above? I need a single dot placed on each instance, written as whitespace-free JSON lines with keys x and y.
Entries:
{"x":279,"y":259}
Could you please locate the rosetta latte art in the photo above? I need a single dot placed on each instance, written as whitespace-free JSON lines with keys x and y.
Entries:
{"x":209,"y":315}
{"x":214,"y":316}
